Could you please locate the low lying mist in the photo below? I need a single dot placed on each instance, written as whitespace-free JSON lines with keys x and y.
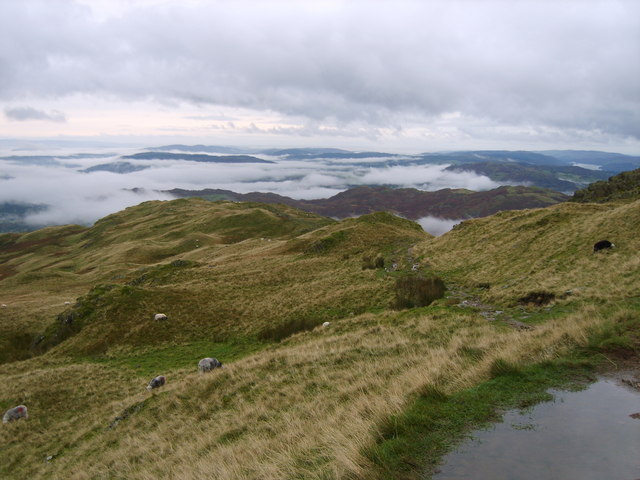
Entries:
{"x":59,"y":179}
{"x":437,"y":226}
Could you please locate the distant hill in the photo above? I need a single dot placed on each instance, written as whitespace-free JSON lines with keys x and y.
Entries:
{"x":12,"y":216}
{"x":407,"y":202}
{"x":612,"y":162}
{"x":116,"y":167}
{"x":474,"y":156}
{"x":196,"y":157}
{"x":199,"y":148}
{"x":624,"y":186}
{"x":560,"y":178}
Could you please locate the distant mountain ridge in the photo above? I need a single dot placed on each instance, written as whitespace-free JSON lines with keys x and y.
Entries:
{"x":196,"y":157}
{"x":115,"y":167}
{"x":407,"y":202}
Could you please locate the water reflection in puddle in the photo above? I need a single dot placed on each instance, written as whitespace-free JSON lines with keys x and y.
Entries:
{"x":586,"y":435}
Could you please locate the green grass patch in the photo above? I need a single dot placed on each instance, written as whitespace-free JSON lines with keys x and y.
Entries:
{"x":154,"y":361}
{"x":620,"y":336}
{"x":413,"y":442}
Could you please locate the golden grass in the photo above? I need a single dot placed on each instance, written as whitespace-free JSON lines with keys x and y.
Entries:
{"x":309,"y":406}
{"x":517,"y":252}
{"x":305,"y":410}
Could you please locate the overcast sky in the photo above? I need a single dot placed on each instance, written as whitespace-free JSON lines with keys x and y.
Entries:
{"x":387,"y":75}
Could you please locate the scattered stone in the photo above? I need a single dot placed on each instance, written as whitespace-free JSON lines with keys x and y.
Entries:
{"x":518,"y":324}
{"x":126,"y":414}
{"x":632,"y":383}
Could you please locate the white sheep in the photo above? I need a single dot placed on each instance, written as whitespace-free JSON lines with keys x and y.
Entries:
{"x":160,"y":316}
{"x":326,"y":324}
{"x":208,"y":364}
{"x":156,"y":382}
{"x":15,"y":413}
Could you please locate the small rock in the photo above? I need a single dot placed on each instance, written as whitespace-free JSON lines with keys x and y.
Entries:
{"x":632,"y":383}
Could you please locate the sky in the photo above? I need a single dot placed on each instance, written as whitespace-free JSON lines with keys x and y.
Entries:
{"x":399,"y":76}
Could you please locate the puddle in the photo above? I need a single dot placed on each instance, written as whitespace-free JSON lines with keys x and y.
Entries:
{"x":586,"y":435}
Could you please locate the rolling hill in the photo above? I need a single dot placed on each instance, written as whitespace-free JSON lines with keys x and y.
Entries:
{"x":252,"y":284}
{"x":407,"y":202}
{"x":624,"y":186}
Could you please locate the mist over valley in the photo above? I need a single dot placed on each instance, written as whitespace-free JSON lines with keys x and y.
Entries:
{"x":66,"y":186}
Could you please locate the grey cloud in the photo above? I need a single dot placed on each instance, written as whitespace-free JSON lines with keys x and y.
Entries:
{"x":22,"y":114}
{"x":563,"y":64}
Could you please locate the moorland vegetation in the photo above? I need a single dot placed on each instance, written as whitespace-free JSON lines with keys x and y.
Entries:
{"x":380,"y":392}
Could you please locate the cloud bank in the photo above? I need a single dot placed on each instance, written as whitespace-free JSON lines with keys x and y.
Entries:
{"x":22,"y":114}
{"x":76,"y":196}
{"x":530,"y":68}
{"x":437,"y":226}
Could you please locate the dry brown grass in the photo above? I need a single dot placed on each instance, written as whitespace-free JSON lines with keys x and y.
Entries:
{"x":309,"y":406}
{"x":550,"y":249}
{"x":305,"y":410}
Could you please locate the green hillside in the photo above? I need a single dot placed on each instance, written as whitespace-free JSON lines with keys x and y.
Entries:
{"x":251,"y":284}
{"x":625,"y":185}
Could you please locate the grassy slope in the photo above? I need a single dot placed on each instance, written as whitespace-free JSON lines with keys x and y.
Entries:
{"x":625,"y":185}
{"x":313,"y":404}
{"x":549,"y":249}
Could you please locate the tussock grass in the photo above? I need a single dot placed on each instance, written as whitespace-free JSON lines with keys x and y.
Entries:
{"x":319,"y":402}
{"x":307,"y":409}
{"x":551,"y":250}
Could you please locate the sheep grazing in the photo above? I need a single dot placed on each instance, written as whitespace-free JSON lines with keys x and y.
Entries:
{"x":160,"y":316}
{"x":156,"y":382}
{"x":208,"y":364}
{"x":67,"y":303}
{"x":15,"y":413}
{"x":601,"y":245}
{"x":326,"y":324}
{"x":4,"y":305}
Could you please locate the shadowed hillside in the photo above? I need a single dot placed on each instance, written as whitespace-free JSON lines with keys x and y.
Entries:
{"x":252,"y":284}
{"x":407,"y":202}
{"x":625,"y":185}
